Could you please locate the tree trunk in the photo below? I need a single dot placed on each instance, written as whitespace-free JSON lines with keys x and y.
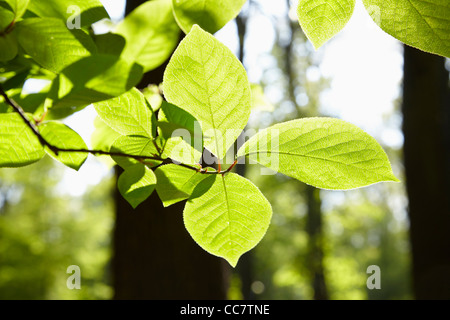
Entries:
{"x":154,"y":256}
{"x":426,"y":129}
{"x":315,"y":243}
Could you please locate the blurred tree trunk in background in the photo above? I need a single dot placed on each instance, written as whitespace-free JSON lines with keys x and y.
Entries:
{"x":426,"y":129}
{"x":154,"y":256}
{"x":315,"y":243}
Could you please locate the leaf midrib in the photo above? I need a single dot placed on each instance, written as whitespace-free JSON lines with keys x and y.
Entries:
{"x":426,"y":22}
{"x":211,"y":114}
{"x":228,"y":210}
{"x":318,"y":158}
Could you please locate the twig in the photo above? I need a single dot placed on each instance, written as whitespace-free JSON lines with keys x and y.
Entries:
{"x":30,"y":124}
{"x":8,"y":29}
{"x":57,"y":150}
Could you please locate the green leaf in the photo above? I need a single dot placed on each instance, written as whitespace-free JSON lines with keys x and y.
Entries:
{"x":103,"y":77}
{"x":6,"y":17}
{"x":4,"y":107}
{"x":19,"y":7}
{"x":259,"y":99}
{"x":421,"y":24}
{"x":8,"y":47}
{"x":136,"y":184}
{"x":176,"y":183}
{"x":16,"y":81}
{"x":229,"y":218}
{"x":103,"y":136}
{"x":323,"y":19}
{"x":109,"y":43}
{"x":51,"y":44}
{"x":153,"y":95}
{"x":8,"y":41}
{"x":205,"y":79}
{"x":19,"y":146}
{"x":151,"y":34}
{"x":128,"y":114}
{"x":323,"y":152}
{"x":177,"y":118}
{"x":211,"y":15}
{"x":31,"y":102}
{"x":61,"y":136}
{"x":87,"y":11}
{"x":182,"y":134}
{"x":139,"y":146}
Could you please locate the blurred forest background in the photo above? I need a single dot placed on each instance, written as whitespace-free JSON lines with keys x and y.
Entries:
{"x":319,"y":245}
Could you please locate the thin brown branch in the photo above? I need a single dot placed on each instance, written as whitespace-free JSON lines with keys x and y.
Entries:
{"x":18,"y":109}
{"x":30,"y":124}
{"x":8,"y":29}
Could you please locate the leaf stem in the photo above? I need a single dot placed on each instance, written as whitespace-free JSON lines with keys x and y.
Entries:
{"x":8,"y":29}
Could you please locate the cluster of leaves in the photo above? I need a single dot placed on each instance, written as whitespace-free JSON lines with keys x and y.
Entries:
{"x":207,"y":95}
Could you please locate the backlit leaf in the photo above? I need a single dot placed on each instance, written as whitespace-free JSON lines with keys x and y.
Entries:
{"x":176,"y":183}
{"x":136,"y":184}
{"x":104,"y":77}
{"x":211,"y":15}
{"x":323,"y":152}
{"x":323,"y":19}
{"x":61,"y":136}
{"x":206,"y":79}
{"x":19,"y":146}
{"x":18,"y":6}
{"x":421,"y":24}
{"x":51,"y":44}
{"x":128,"y":114}
{"x":8,"y":47}
{"x":227,"y":216}
{"x":151,"y":34}
{"x":87,"y":11}
{"x":182,"y":134}
{"x":134,"y":146}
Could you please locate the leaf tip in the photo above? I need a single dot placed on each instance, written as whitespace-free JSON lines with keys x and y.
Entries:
{"x":394,"y":179}
{"x":129,"y":198}
{"x":232,"y":261}
{"x":316,"y":45}
{"x":133,"y":205}
{"x":390,"y":177}
{"x":166,"y":203}
{"x":320,"y":26}
{"x":315,"y":41}
{"x":78,"y":166}
{"x":196,"y":28}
